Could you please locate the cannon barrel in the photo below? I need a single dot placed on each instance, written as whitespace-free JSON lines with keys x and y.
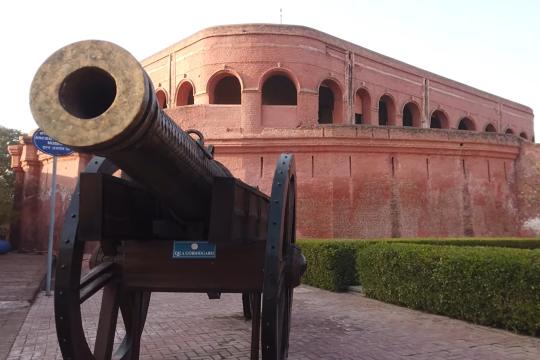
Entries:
{"x":95,"y":97}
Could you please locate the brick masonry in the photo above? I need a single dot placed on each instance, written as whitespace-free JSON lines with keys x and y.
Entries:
{"x":325,"y":325}
{"x":362,"y":181}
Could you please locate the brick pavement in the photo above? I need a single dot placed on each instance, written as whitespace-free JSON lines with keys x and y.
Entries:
{"x":325,"y":326}
{"x":20,"y":278}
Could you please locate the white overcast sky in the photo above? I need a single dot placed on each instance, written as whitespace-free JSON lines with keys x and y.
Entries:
{"x":493,"y":45}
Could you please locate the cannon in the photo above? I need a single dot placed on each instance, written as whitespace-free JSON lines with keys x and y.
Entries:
{"x":166,"y":215}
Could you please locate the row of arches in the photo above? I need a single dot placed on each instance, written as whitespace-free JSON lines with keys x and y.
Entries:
{"x":439,"y":120}
{"x":279,"y":89}
{"x":225,"y":88}
{"x":411,"y":116}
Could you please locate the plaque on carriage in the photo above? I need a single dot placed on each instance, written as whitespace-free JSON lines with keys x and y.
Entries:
{"x":194,"y":250}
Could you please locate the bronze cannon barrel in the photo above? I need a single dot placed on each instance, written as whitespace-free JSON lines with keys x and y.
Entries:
{"x":95,"y":97}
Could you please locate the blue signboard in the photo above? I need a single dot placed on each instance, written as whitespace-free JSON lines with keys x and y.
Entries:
{"x":48,"y":145}
{"x":194,"y":250}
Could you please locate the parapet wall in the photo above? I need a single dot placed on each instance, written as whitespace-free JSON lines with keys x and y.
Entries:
{"x":33,"y":170}
{"x":360,"y":81}
{"x":528,"y":188}
{"x":370,"y":162}
{"x":353,"y":182}
{"x":368,"y":182}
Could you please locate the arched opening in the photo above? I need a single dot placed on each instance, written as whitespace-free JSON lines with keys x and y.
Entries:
{"x":490,"y":128}
{"x":523,"y":135}
{"x":184,"y":95}
{"x":509,"y":131}
{"x":466,"y":124}
{"x":411,"y":115}
{"x":326,"y":105}
{"x":438,"y":120}
{"x":161,"y":98}
{"x":329,"y":103}
{"x":279,"y":90}
{"x":225,"y":89}
{"x":362,"y":107}
{"x":386,"y":111}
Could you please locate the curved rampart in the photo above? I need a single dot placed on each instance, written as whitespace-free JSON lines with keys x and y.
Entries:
{"x":371,"y":182}
{"x":359,"y":124}
{"x":336,"y":82}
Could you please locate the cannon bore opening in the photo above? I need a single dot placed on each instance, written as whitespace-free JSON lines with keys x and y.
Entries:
{"x":87,"y":92}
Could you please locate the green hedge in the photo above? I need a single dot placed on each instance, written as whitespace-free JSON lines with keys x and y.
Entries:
{"x":519,"y":243}
{"x":331,"y":263}
{"x":489,"y":286}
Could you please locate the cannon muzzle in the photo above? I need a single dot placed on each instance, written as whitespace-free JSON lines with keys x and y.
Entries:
{"x":95,"y":97}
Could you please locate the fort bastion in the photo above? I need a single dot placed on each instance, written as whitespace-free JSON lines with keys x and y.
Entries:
{"x":383,"y":148}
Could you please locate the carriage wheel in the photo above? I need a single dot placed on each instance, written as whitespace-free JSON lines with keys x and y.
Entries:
{"x":71,"y":292}
{"x":277,"y":289}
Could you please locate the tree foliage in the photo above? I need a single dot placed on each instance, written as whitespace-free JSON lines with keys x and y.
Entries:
{"x":7,"y":137}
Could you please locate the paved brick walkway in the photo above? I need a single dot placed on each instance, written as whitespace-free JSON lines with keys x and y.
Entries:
{"x":325,"y":326}
{"x":20,"y":277}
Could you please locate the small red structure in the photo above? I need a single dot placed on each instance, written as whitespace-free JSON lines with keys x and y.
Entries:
{"x":383,"y":149}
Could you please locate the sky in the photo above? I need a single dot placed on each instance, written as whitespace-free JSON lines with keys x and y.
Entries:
{"x":493,"y":45}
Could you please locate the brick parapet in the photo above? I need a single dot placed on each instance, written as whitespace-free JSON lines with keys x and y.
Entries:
{"x":308,"y":57}
{"x":527,"y":188}
{"x":32,"y":192}
{"x":15,"y":152}
{"x":354,"y":180}
{"x":336,"y":45}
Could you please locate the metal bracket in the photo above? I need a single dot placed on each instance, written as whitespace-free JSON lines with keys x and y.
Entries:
{"x":208,"y":150}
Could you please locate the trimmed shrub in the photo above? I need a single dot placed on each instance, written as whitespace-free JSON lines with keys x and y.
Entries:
{"x":518,"y":243}
{"x":330,"y":263}
{"x":485,"y":285}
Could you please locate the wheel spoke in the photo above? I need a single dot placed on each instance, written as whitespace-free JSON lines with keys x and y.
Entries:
{"x":95,"y":280}
{"x":134,"y":307}
{"x":107,"y":323}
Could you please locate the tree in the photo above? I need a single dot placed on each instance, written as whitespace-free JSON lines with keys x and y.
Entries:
{"x":7,"y":137}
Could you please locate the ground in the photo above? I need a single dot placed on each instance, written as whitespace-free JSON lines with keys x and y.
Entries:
{"x":325,"y":325}
{"x":20,"y":279}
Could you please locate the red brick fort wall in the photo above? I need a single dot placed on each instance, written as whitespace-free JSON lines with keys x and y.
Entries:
{"x":377,"y":168}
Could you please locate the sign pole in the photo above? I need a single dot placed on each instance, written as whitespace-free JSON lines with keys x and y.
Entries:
{"x":51,"y":227}
{"x":48,"y":145}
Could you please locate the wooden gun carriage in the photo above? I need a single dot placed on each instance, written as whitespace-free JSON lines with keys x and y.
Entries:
{"x":176,"y":220}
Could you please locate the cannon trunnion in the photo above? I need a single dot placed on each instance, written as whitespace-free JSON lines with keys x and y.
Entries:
{"x":175,"y":220}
